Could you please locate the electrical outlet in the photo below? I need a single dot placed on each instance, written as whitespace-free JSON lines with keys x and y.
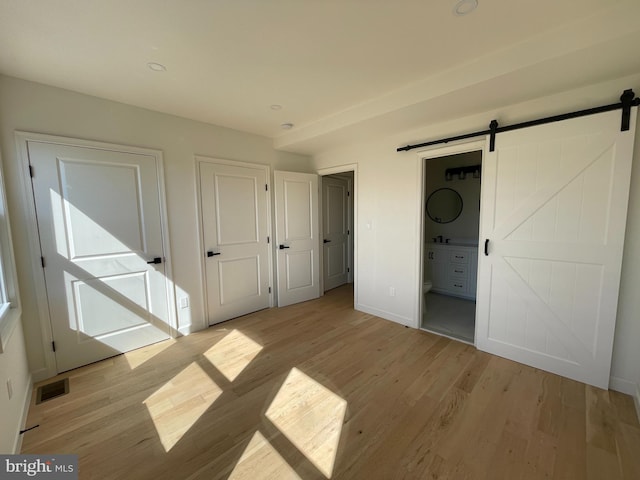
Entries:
{"x":392,"y":291}
{"x":184,"y":302}
{"x":9,"y":388}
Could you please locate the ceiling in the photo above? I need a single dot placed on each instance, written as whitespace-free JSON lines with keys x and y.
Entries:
{"x":333,"y":65}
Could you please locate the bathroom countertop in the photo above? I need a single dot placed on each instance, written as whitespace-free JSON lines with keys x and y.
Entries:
{"x":455,"y":244}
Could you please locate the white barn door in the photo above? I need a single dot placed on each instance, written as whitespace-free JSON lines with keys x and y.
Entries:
{"x":297,"y":240}
{"x":554,"y":205}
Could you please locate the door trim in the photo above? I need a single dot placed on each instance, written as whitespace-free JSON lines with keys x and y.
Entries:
{"x":200,"y":159}
{"x":351,"y":167}
{"x":29,"y":211}
{"x":425,"y":154}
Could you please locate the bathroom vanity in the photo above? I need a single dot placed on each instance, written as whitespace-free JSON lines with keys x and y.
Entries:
{"x":453,"y":269}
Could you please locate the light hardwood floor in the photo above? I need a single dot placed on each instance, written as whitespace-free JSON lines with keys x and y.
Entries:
{"x":318,"y":390}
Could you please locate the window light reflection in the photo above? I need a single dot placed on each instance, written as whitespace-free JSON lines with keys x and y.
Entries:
{"x":232,"y":354}
{"x":261,"y":460}
{"x":179,"y":403}
{"x":311,"y":417}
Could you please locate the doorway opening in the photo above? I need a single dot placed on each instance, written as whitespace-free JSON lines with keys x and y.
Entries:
{"x":337,"y":228}
{"x":450,"y":244}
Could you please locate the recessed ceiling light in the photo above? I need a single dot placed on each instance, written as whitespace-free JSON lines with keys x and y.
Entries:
{"x":156,"y":67}
{"x":287,"y":126}
{"x":275,"y":106}
{"x":464,"y":7}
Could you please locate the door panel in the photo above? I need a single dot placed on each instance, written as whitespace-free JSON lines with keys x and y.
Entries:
{"x":235,"y":229}
{"x":297,"y":233}
{"x":554,"y":209}
{"x":335,"y":231}
{"x":99,"y":220}
{"x":236,"y":198}
{"x":299,"y":270}
{"x":239,"y":279}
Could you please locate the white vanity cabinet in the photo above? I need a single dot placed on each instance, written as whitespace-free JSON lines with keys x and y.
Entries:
{"x":453,"y":269}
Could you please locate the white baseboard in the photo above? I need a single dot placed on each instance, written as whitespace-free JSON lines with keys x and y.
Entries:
{"x":386,"y":315}
{"x":621,"y":385}
{"x":17,"y":444}
{"x":636,"y":400}
{"x":187,"y":329}
{"x":42,"y":374}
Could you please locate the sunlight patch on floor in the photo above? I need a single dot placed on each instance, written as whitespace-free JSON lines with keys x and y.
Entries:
{"x":233,"y":353}
{"x":137,"y":357}
{"x":180,"y":402}
{"x":311,"y":417}
{"x":261,"y":460}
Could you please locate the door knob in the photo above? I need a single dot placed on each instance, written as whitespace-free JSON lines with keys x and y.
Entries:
{"x":282,"y":247}
{"x":155,"y":260}
{"x":326,"y":241}
{"x":211,"y":254}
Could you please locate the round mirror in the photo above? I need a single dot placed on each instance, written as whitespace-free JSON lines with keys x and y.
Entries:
{"x":444,"y":205}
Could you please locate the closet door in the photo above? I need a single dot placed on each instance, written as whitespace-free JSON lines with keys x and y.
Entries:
{"x":554,"y":207}
{"x":234,"y":205}
{"x":298,"y":267}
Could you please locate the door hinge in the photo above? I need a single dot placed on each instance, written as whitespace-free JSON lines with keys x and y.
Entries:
{"x":42,"y":261}
{"x":269,"y":289}
{"x":266,"y":187}
{"x":348,"y":193}
{"x":31,"y":170}
{"x":268,"y":239}
{"x":348,"y":232}
{"x":53,"y":346}
{"x":348,"y":270}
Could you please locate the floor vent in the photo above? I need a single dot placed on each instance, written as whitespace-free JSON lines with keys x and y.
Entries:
{"x":52,"y":390}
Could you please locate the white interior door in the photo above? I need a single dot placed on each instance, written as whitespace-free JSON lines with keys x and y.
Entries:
{"x":335,"y":231}
{"x":554,"y":204}
{"x":235,"y":229}
{"x":297,"y":238}
{"x":99,"y":219}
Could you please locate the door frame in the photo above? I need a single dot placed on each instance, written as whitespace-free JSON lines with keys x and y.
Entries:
{"x":200,"y":159}
{"x":423,"y":156}
{"x":352,"y":167}
{"x":29,"y":212}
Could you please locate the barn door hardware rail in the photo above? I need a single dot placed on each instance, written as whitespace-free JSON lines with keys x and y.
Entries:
{"x":627,"y":100}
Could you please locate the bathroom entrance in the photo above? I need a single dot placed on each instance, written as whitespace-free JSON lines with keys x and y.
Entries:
{"x":450,"y":244}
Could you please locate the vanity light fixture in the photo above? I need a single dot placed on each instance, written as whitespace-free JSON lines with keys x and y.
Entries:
{"x":462,"y":172}
{"x":464,"y":7}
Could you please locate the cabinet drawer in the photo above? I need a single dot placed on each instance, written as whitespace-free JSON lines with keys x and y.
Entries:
{"x":458,"y":285}
{"x":459,"y":257}
{"x":458,"y":270}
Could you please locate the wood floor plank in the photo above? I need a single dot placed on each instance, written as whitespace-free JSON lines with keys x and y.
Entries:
{"x":601,"y":421}
{"x":571,"y":456}
{"x":628,"y":449}
{"x":318,"y":390}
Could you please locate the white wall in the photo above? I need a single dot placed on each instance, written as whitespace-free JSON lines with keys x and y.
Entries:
{"x":388,"y":196}
{"x":13,"y":366}
{"x":37,"y":108}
